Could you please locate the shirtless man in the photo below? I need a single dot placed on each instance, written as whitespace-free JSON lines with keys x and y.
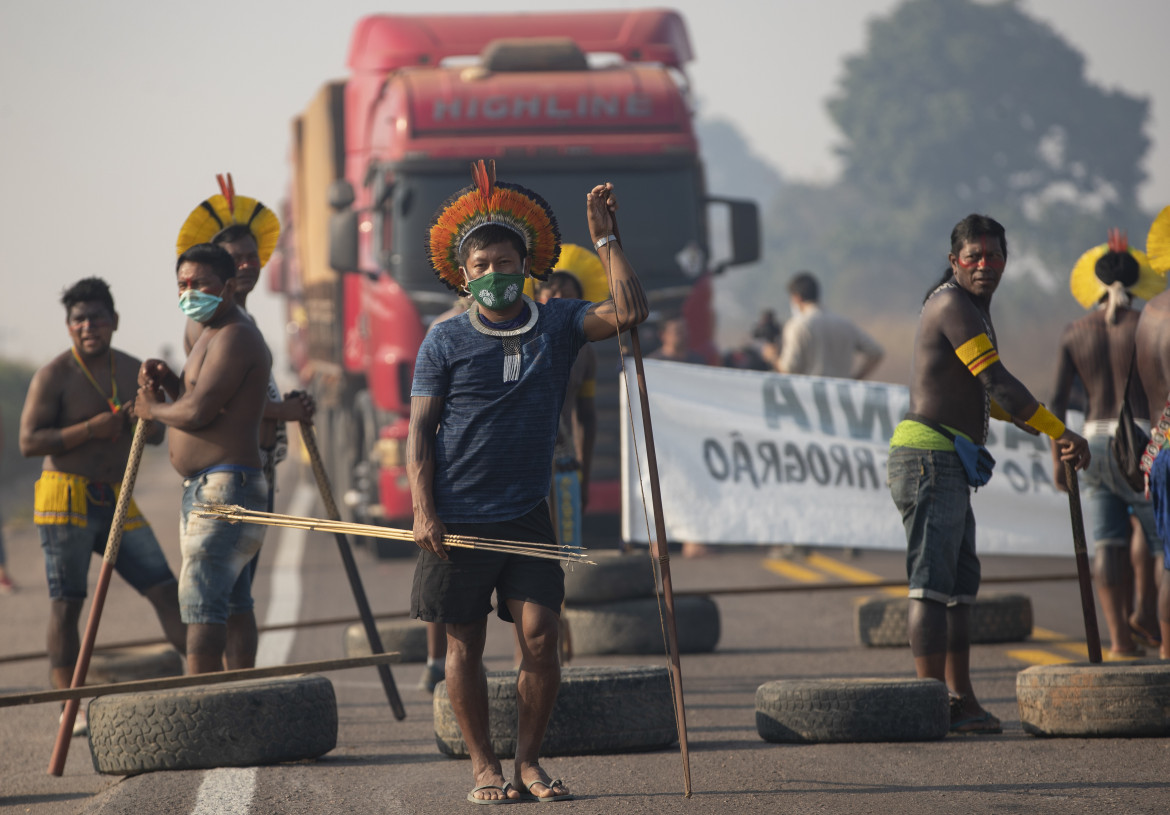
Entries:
{"x":1153,"y":366}
{"x":1099,"y":348}
{"x":214,"y":444}
{"x":78,"y":414}
{"x":957,"y":381}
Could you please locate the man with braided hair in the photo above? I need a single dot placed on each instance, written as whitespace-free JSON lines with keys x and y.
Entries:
{"x":485,"y":407}
{"x":1099,"y":348}
{"x":958,"y":382}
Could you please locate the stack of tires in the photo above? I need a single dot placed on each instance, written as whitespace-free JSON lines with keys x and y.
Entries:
{"x":613,"y":608}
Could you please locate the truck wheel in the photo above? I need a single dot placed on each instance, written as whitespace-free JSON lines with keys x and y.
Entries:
{"x":129,"y":664}
{"x":617,"y":576}
{"x":408,"y":637}
{"x":598,"y":710}
{"x":1104,"y":699}
{"x":882,"y":621}
{"x":237,"y":724}
{"x":840,"y":710}
{"x":634,"y":627}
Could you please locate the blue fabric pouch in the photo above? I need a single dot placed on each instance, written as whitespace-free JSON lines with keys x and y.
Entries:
{"x":977,"y":461}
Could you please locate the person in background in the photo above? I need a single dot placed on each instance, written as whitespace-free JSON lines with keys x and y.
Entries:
{"x":1099,"y":350}
{"x":817,"y":342}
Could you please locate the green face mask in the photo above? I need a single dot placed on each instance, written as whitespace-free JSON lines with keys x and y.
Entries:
{"x":497,"y":291}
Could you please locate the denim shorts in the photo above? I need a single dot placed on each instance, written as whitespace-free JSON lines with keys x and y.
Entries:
{"x":68,"y":549}
{"x":459,"y":589}
{"x":1109,"y":501}
{"x":214,"y":582}
{"x":930,"y":489}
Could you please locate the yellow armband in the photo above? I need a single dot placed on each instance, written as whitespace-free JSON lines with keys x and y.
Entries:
{"x":978,"y":354}
{"x":1046,"y":423}
{"x":999,"y":413}
{"x":588,"y":389}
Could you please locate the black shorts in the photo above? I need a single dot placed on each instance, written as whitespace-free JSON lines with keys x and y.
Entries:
{"x":459,"y":590}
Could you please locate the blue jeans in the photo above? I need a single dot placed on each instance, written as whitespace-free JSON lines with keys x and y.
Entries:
{"x":214,"y":583}
{"x":1109,"y":500}
{"x":68,"y":549}
{"x":930,"y":489}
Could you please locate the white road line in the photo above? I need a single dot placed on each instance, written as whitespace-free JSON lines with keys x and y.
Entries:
{"x":226,"y":791}
{"x":229,"y":790}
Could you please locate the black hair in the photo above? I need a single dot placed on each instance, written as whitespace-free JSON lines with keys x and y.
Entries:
{"x":559,"y":280}
{"x":1117,"y":267}
{"x":805,"y":286}
{"x":971,"y":228}
{"x":88,"y":290}
{"x":233,"y":233}
{"x":212,"y":256}
{"x":490,"y":235}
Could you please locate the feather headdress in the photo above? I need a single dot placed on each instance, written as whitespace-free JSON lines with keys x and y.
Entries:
{"x":219,"y":212}
{"x":1114,"y":266}
{"x":488,"y":202}
{"x":1158,"y":242}
{"x":584,"y":265}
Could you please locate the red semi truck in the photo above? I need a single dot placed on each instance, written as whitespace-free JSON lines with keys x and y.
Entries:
{"x":561,"y":102}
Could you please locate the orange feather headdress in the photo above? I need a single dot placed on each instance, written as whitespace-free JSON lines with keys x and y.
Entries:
{"x":488,"y":202}
{"x":219,"y":212}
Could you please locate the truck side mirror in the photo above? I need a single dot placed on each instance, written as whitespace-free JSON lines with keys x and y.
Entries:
{"x":343,"y":228}
{"x":744,"y":222}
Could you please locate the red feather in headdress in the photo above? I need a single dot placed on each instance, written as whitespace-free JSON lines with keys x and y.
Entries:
{"x":229,"y":192}
{"x":1118,"y":241}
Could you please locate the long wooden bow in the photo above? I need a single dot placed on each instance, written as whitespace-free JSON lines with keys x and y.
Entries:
{"x":658,"y":547}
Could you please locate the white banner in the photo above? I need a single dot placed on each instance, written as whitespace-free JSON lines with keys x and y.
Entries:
{"x":751,"y":457}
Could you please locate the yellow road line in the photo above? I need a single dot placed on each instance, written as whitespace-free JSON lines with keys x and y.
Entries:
{"x":842,"y":570}
{"x":847,"y":572}
{"x":1035,"y":657}
{"x":786,"y":568}
{"x":1048,"y":635}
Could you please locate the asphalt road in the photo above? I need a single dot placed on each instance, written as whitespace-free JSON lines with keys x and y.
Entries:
{"x":381,"y":765}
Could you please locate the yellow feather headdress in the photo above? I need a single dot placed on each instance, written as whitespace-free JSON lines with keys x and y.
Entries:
{"x":1158,"y":242}
{"x":219,"y":212}
{"x":486,"y":202}
{"x":584,"y":265}
{"x":1087,"y":285}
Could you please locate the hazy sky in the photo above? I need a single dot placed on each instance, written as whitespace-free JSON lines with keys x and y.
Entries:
{"x":115,"y":118}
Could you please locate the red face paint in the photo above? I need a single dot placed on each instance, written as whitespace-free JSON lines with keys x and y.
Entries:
{"x":988,"y":257}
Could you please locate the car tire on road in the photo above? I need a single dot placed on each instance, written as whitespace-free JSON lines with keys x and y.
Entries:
{"x":236,"y":724}
{"x":1104,"y":699}
{"x":617,"y":576}
{"x":848,"y":710}
{"x":130,"y":664}
{"x":634,"y":626}
{"x":407,"y":637}
{"x":599,"y":710}
{"x":882,"y":621}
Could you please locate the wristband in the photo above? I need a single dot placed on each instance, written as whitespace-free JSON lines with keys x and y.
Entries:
{"x":1046,"y":423}
{"x":606,"y":240}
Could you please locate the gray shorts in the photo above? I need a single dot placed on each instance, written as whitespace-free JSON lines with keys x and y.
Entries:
{"x":930,"y":489}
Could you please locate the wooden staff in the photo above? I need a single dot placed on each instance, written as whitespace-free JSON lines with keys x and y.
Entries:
{"x":309,"y":438}
{"x":195,"y":680}
{"x":658,"y":546}
{"x":658,"y":549}
{"x":113,"y":543}
{"x":1092,"y":635}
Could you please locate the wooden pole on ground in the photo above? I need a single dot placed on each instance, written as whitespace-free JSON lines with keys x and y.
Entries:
{"x":195,"y":680}
{"x":113,"y":542}
{"x":1084,"y":576}
{"x":309,"y":438}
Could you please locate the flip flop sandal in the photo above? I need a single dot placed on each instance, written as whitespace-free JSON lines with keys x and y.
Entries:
{"x":568,"y":796}
{"x":491,"y":801}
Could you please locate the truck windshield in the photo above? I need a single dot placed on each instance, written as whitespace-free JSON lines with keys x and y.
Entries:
{"x":661,"y":213}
